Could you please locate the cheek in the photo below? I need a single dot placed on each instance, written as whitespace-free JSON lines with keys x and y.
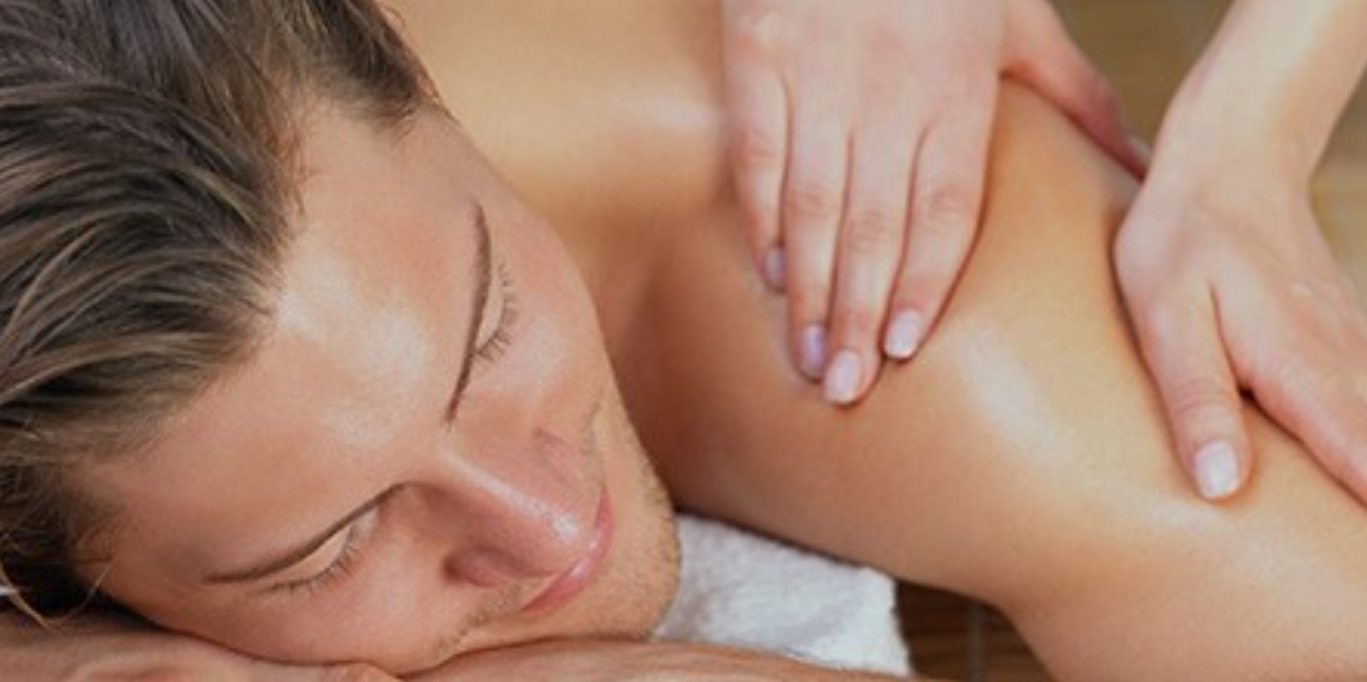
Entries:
{"x":394,"y":616}
{"x":404,"y":615}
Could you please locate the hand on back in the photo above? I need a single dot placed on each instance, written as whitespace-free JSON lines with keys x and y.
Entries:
{"x":860,"y":135}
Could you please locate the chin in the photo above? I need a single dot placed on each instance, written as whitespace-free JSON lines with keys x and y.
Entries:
{"x":649,"y":561}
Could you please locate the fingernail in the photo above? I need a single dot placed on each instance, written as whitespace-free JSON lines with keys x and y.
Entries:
{"x":904,"y":335}
{"x":775,"y":269}
{"x":814,"y":351}
{"x":842,"y":381}
{"x":1217,"y":470}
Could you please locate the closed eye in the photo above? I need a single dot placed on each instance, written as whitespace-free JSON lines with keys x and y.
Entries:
{"x":347,"y":557}
{"x":493,"y":345}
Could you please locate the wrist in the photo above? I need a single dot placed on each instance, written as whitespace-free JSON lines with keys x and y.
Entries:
{"x":1270,"y":109}
{"x":1256,"y":201}
{"x":1234,"y":140}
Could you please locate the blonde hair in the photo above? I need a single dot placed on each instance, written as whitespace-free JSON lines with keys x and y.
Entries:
{"x":145,"y":182}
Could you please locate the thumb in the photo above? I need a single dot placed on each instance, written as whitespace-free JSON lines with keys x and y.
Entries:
{"x":1182,"y":345}
{"x":1042,"y":55}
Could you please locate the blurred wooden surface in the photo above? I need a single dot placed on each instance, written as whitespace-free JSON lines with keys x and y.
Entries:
{"x":1145,"y":46}
{"x":953,"y":638}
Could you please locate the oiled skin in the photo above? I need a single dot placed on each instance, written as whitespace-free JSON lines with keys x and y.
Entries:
{"x":1021,"y":458}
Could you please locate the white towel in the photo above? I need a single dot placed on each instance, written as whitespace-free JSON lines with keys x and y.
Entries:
{"x":742,"y":590}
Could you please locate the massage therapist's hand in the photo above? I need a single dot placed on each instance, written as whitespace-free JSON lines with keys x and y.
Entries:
{"x":860,"y":136}
{"x":105,"y":650}
{"x":605,"y":661}
{"x":1227,"y":278}
{"x":1230,"y":286}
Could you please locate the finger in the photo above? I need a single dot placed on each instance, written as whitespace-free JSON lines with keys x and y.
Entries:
{"x":1182,"y":344}
{"x":945,"y":209}
{"x":759,"y":134}
{"x":813,"y":199}
{"x":1046,"y":58}
{"x":869,"y":253}
{"x":1329,"y":415}
{"x":1321,"y":397}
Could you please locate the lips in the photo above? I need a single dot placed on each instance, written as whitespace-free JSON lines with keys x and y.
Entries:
{"x":575,"y":579}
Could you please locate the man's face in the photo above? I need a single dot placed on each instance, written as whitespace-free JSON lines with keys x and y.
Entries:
{"x":426,"y":456}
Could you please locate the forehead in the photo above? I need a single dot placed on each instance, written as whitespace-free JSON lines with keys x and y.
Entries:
{"x":374,"y":297}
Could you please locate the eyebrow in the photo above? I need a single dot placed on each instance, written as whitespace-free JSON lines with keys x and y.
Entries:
{"x":483,"y":275}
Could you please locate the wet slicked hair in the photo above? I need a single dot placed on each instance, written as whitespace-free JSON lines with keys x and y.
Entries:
{"x":146,"y":179}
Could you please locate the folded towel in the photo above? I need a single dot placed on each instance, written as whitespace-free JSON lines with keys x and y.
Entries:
{"x":742,"y":590}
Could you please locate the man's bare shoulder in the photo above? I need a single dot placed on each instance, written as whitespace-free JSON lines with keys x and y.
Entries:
{"x":592,"y":109}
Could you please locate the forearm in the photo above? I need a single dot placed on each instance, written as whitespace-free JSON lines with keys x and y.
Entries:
{"x":111,"y":648}
{"x":1269,"y":88}
{"x":86,"y":647}
{"x":611,"y":661}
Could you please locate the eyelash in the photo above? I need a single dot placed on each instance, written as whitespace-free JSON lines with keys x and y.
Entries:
{"x":360,"y":532}
{"x":339,"y":569}
{"x":501,"y":339}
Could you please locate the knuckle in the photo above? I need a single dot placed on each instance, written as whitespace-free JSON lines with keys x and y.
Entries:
{"x":944,"y":209}
{"x":813,"y":201}
{"x":871,"y":231}
{"x":757,"y":149}
{"x":1199,"y":400}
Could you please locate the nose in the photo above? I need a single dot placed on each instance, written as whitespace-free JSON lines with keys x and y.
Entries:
{"x":518,"y":513}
